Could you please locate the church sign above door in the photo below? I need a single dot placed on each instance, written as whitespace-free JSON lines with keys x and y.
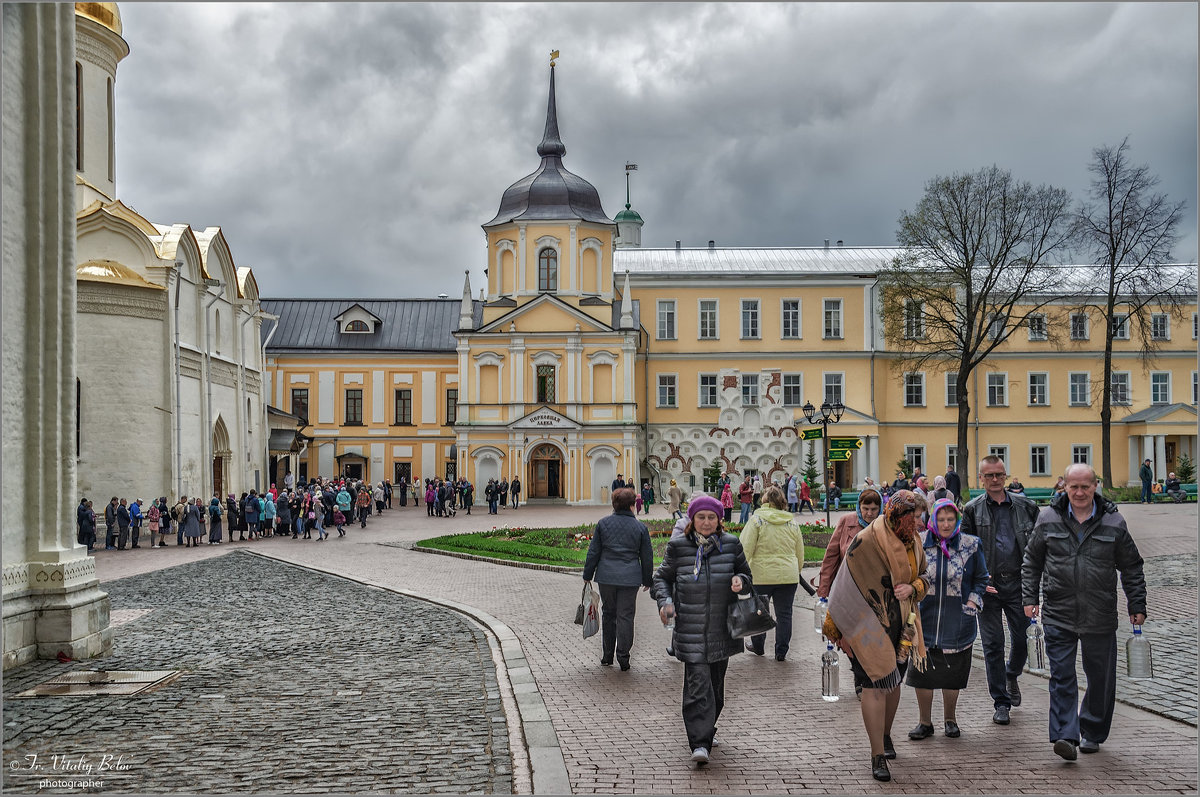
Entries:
{"x":545,"y":418}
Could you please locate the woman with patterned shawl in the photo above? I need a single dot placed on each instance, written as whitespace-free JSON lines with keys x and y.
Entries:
{"x":873,"y":615}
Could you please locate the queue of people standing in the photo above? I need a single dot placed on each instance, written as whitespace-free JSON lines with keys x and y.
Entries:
{"x":319,"y":505}
{"x":911,"y":579}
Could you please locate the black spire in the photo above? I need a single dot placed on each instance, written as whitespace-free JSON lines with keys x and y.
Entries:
{"x":551,"y":143}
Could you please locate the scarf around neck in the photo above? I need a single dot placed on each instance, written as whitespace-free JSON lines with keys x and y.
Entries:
{"x":705,"y":546}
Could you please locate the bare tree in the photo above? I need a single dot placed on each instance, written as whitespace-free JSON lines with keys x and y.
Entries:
{"x":977,"y":265}
{"x":1128,"y":229}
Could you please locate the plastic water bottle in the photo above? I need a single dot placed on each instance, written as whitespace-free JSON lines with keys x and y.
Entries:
{"x":670,"y":623}
{"x":829,"y":674}
{"x":1035,"y":640}
{"x":819,"y":612}
{"x":1138,"y":660}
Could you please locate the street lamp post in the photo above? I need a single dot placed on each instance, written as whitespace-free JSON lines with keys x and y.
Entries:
{"x":830,"y":413}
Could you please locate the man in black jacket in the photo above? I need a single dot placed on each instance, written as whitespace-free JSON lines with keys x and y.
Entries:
{"x":953,"y":483}
{"x":621,"y":559}
{"x":1003,"y":521}
{"x":1078,"y":546}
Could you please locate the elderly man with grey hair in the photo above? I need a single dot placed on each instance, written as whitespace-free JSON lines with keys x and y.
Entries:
{"x":1079,"y":544}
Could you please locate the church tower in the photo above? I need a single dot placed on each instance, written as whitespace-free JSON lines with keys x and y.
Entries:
{"x":547,"y":379}
{"x":99,"y":47}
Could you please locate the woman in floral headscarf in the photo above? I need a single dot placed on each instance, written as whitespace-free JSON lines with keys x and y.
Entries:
{"x":873,"y":615}
{"x":957,"y":577}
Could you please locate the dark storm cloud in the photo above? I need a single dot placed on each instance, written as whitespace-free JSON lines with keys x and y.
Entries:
{"x":354,"y":149}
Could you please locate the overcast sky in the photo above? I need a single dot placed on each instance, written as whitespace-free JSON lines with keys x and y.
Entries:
{"x":355,"y":149}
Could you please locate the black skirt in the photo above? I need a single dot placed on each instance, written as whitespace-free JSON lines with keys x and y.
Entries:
{"x":945,"y":671}
{"x":863,"y":681}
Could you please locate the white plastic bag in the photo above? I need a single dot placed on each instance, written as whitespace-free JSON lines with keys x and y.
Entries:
{"x":591,"y":610}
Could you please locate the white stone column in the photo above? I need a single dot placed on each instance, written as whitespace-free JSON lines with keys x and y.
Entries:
{"x":872,"y":447}
{"x":1147,"y":449}
{"x":52,"y":600}
{"x":1160,"y":456}
{"x":1134,"y":461}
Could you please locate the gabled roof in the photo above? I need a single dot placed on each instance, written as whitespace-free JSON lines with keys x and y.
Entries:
{"x":1157,"y":412}
{"x":407,"y":325}
{"x":546,"y":298}
{"x":342,"y":314}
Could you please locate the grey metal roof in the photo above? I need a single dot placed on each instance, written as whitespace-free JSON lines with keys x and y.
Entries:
{"x":728,"y":260}
{"x":410,"y":325}
{"x":551,"y":192}
{"x":1154,"y":412}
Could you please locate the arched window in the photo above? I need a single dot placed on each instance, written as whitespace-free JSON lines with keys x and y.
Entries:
{"x":357,"y":326}
{"x":547,"y":270}
{"x":217,"y":330}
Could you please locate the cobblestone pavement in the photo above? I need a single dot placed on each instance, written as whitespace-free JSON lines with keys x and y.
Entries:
{"x":620,"y":732}
{"x":293,"y":681}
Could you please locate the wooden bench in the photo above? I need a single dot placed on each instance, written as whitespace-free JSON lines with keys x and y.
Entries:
{"x":1189,"y":491}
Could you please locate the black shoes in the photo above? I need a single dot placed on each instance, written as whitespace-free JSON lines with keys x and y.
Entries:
{"x":923,"y":731}
{"x":751,"y":649}
{"x":1088,"y":746}
{"x":780,"y":658}
{"x":1001,"y":715}
{"x":606,"y":662}
{"x":624,"y":665}
{"x":952,"y":730}
{"x":1066,"y":749}
{"x":879,"y":768}
{"x":1014,"y":692}
{"x":889,"y":749}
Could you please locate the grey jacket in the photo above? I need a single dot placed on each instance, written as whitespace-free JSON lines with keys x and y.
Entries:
{"x":977,"y":520}
{"x":701,"y":598}
{"x":620,"y":553}
{"x":1076,"y":581}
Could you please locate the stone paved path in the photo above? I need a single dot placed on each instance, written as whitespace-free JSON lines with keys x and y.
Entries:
{"x":293,"y":681}
{"x":621,"y":732}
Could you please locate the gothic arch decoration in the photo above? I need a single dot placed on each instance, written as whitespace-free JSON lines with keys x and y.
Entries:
{"x":220,"y":438}
{"x":504,"y":245}
{"x":597,"y":246}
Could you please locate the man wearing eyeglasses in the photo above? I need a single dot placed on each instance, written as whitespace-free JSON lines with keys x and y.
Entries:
{"x":1004,"y":522}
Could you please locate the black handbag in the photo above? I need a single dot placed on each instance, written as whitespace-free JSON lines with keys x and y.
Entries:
{"x":579,"y":611}
{"x":749,"y":616}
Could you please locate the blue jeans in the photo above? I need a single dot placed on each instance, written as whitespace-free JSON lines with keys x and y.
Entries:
{"x":1068,"y":717}
{"x":837,"y":503}
{"x":746,"y":508}
{"x":1146,"y":495}
{"x":1005,"y":604}
{"x":782,"y":596}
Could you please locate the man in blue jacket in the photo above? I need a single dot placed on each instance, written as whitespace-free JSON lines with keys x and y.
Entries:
{"x":1079,"y":544}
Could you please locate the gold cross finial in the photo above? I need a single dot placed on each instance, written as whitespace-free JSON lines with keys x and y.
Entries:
{"x":553,"y":55}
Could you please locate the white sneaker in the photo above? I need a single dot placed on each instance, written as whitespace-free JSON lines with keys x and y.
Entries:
{"x":716,"y":742}
{"x":700,"y":755}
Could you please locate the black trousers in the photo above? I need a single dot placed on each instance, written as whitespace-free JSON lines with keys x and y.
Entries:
{"x":1091,"y":719}
{"x":617,"y":607}
{"x":703,"y":699}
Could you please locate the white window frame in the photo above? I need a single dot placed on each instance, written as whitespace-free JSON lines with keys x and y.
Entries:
{"x":799,"y":319}
{"x":952,"y":385}
{"x":1153,"y":374}
{"x":1121,"y":322}
{"x":841,"y":375}
{"x":1166,"y":323}
{"x":1128,"y":389}
{"x":1087,"y":389}
{"x":1045,"y":389}
{"x":914,"y":321}
{"x":1046,"y":470}
{"x":700,"y":319}
{"x":835,"y":306}
{"x":1044,"y":334}
{"x":799,"y":387}
{"x":917,"y":461}
{"x":716,"y":394}
{"x":1195,"y":326}
{"x":666,"y":314}
{"x":920,"y":377}
{"x":1087,"y":326}
{"x":1002,"y":452}
{"x":952,"y":455}
{"x":744,"y":381}
{"x":996,"y":322}
{"x":1086,"y":448}
{"x":673,"y":386}
{"x":757,"y":305}
{"x":1195,"y":386}
{"x":1003,"y":385}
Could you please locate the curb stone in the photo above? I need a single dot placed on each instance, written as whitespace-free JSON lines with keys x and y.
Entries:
{"x":537,"y":757}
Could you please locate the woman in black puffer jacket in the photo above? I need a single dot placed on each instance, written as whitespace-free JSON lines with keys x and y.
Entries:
{"x":695,"y":584}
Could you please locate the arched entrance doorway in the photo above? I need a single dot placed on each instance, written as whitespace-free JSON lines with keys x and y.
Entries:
{"x":221,"y":456}
{"x":545,"y":472}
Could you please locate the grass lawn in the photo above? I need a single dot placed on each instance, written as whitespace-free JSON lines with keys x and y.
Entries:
{"x":565,"y":547}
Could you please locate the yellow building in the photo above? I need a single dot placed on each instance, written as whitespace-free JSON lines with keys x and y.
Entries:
{"x":558,"y":375}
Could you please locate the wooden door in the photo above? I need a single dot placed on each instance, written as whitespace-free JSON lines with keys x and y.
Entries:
{"x":541,"y":479}
{"x":218,"y":476}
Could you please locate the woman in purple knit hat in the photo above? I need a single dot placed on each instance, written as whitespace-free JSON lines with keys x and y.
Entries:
{"x":700,"y":573}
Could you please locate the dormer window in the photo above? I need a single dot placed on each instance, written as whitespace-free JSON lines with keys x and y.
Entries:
{"x":357,"y":320}
{"x":547,"y":270}
{"x":357,"y":326}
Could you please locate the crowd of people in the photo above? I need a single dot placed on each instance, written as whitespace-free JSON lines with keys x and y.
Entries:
{"x":911,"y":578}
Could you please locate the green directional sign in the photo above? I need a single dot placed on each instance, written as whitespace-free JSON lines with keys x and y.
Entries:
{"x":836,"y":443}
{"x":812,"y":434}
{"x":839,"y":455}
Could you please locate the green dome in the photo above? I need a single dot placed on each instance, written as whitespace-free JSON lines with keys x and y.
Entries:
{"x":628,"y":215}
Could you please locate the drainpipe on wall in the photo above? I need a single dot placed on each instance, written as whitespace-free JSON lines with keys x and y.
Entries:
{"x":975,"y":405}
{"x":262,"y":371}
{"x":243,"y":398}
{"x":206,"y":442}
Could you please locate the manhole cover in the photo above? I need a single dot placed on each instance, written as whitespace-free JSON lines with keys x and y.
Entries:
{"x":102,"y":682}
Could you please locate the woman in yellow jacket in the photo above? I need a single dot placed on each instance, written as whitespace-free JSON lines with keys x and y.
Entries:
{"x":774,"y":548}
